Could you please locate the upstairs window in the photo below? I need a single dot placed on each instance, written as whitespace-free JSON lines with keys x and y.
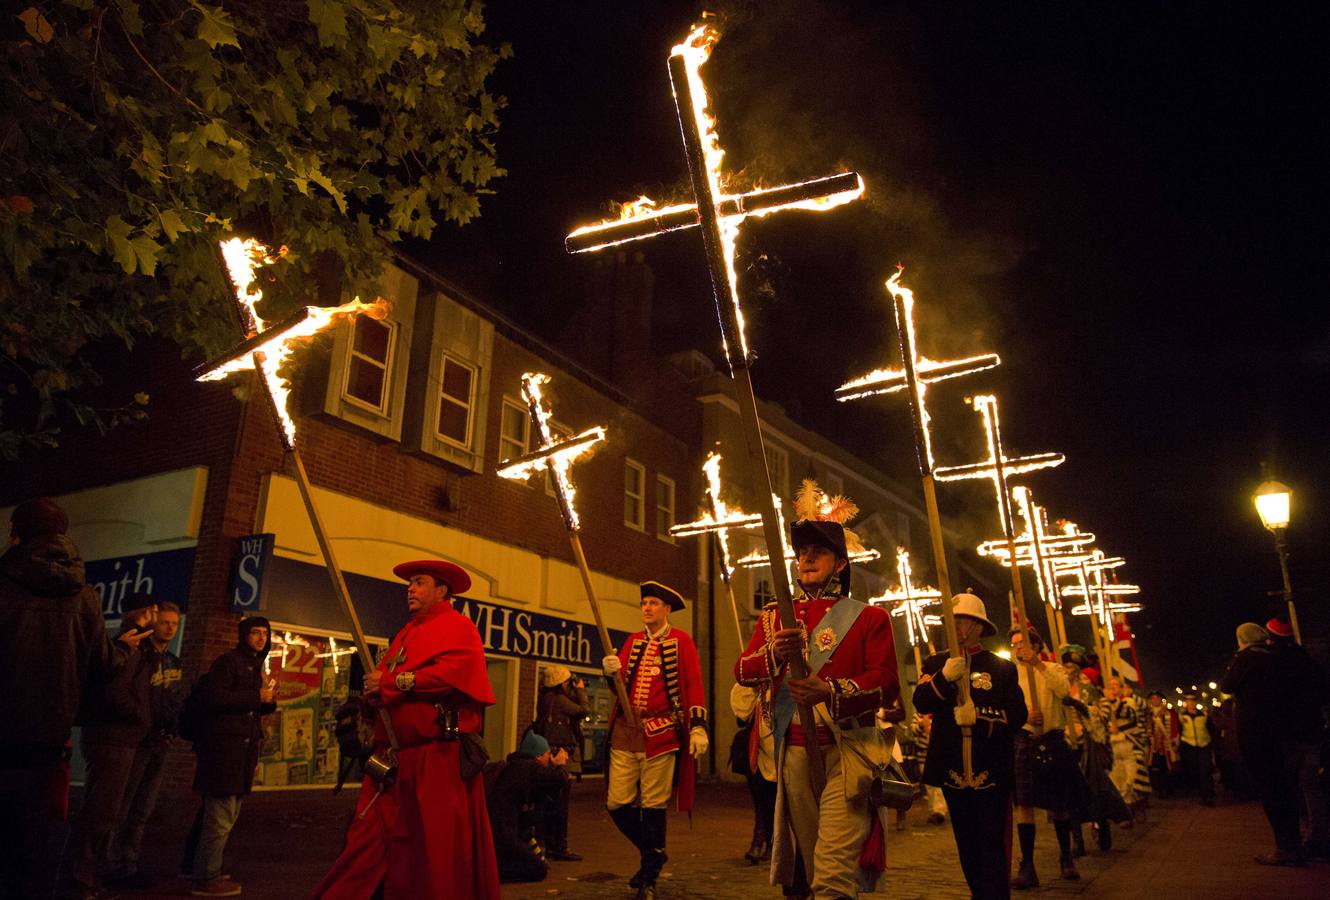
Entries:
{"x":634,"y":495}
{"x":369,"y":368}
{"x":514,"y":428}
{"x":457,"y":388}
{"x":664,"y":508}
{"x":778,"y":465}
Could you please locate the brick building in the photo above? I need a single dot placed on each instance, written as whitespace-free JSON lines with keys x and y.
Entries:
{"x":401,"y":423}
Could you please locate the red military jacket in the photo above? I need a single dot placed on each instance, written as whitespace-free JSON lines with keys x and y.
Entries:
{"x":664,"y":681}
{"x":437,"y":658}
{"x":861,"y":670}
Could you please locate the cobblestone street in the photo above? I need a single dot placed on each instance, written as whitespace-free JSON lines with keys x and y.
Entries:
{"x":284,"y":842}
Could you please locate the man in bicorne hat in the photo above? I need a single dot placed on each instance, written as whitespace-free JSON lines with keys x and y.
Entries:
{"x":427,"y":834}
{"x":664,"y":680}
{"x":979,"y":801}
{"x":832,"y":845}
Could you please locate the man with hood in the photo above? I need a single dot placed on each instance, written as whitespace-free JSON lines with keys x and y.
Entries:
{"x":425,"y":833}
{"x":53,"y":637}
{"x":523,"y":794}
{"x":976,"y":780}
{"x":664,"y":681}
{"x":235,"y":699}
{"x":832,"y":844}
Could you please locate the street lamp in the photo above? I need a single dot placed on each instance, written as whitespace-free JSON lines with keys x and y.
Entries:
{"x":1273,"y":501}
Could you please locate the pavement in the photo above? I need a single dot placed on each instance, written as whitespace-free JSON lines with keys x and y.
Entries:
{"x":285,"y":840}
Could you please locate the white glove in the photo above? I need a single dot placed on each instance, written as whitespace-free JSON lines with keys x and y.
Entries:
{"x":611,"y":665}
{"x":698,"y":741}
{"x":953,"y":669}
{"x":966,"y":714}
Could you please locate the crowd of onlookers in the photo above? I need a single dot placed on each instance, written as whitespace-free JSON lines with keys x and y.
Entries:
{"x":61,"y":668}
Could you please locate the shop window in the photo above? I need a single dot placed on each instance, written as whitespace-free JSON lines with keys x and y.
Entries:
{"x":634,"y":495}
{"x":313,"y":675}
{"x":664,"y":508}
{"x":369,"y":366}
{"x":456,"y":396}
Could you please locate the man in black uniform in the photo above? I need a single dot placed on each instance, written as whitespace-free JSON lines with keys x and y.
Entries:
{"x":978,"y":801}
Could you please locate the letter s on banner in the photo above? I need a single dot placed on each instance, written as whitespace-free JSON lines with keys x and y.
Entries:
{"x":252,"y":555}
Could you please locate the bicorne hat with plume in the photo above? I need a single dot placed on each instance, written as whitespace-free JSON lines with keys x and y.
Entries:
{"x":820,"y":521}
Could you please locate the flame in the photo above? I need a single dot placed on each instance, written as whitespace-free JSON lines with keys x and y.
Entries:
{"x":243,"y":257}
{"x":1097,"y":593}
{"x":558,"y":462}
{"x":759,"y":558}
{"x":927,"y":371}
{"x":910,"y":601}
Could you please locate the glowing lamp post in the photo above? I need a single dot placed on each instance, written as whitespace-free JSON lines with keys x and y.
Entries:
{"x":1273,"y":502}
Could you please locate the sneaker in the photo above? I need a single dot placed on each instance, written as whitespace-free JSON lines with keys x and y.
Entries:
{"x":217,"y":887}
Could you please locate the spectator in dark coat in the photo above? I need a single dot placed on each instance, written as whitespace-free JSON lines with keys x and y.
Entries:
{"x":1262,"y":682}
{"x":560,"y":708}
{"x":115,"y":721}
{"x":236,"y":697}
{"x":52,"y":637}
{"x":1305,"y":725}
{"x":165,"y":697}
{"x":521,"y":795}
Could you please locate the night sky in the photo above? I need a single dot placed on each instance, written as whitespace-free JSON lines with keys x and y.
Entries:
{"x":1119,"y":200}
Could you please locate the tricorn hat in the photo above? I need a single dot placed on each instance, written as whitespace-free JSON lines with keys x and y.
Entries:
{"x":667,"y":595}
{"x":444,"y":572}
{"x":967,"y":604}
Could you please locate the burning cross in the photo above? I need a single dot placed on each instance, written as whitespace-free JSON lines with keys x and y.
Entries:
{"x":550,"y":455}
{"x":718,"y":520}
{"x":910,"y":600}
{"x":1098,"y":595}
{"x":759,"y":558}
{"x":266,"y":349}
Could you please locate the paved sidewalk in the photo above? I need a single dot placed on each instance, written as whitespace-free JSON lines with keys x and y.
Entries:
{"x":284,"y":842}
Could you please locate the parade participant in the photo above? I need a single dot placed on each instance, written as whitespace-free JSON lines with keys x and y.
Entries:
{"x":426,"y":834}
{"x":1130,"y":739}
{"x":1087,"y":735}
{"x":832,"y":845}
{"x":560,"y":707}
{"x":1196,"y":732}
{"x":753,"y":756}
{"x":1165,"y":735}
{"x":979,"y":805}
{"x":664,"y":681}
{"x":1046,"y":774}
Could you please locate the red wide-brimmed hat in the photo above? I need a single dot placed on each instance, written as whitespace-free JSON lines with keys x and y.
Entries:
{"x":449,"y":573}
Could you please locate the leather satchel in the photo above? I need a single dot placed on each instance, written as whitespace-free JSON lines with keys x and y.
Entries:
{"x":891,"y":787}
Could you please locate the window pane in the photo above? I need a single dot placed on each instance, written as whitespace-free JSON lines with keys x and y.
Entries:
{"x":632,"y":509}
{"x":512,"y":432}
{"x":457,"y":381}
{"x":452,"y":420}
{"x":364,"y":381}
{"x":632,"y":480}
{"x":371,"y":338}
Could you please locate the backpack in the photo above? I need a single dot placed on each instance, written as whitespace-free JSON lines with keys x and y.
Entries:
{"x":194,"y":711}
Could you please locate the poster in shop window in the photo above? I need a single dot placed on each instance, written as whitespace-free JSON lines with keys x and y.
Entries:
{"x":300,"y":749}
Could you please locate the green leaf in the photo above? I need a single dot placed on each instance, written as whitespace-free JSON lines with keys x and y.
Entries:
{"x":329,"y":17}
{"x":145,"y":252}
{"x":172,"y":224}
{"x":117,"y":235}
{"x":216,"y":27}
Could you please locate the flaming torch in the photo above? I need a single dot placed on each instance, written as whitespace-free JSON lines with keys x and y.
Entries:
{"x":717,"y":521}
{"x":266,"y":351}
{"x":1102,"y":599}
{"x":913,"y":377}
{"x":718,"y":214}
{"x":556,"y":457}
{"x":909,"y":601}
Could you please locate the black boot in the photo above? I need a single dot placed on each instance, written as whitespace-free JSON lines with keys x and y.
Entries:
{"x":1105,"y":836}
{"x":1077,"y":840}
{"x":653,"y":847}
{"x":628,"y":819}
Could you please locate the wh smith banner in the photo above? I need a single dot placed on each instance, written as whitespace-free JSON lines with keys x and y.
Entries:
{"x":165,"y":575}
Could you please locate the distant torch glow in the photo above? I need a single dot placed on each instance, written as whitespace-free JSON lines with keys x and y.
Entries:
{"x":909,"y":601}
{"x":269,"y":348}
{"x":719,"y":518}
{"x":550,"y":455}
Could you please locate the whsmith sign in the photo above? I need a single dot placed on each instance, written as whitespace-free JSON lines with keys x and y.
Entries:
{"x":517,"y":632}
{"x":165,"y":575}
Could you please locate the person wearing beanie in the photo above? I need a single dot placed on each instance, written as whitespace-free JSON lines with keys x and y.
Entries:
{"x":561,"y":706}
{"x":1268,"y":683}
{"x":236,"y":697}
{"x":52,"y":634}
{"x":425,"y":833}
{"x":666,"y":730}
{"x":524,"y":791}
{"x":1055,"y":784}
{"x":832,"y":845}
{"x":978,"y":800}
{"x":1304,"y":729}
{"x":115,"y":721}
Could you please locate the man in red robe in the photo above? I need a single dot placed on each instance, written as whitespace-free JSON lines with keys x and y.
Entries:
{"x":852,"y":662}
{"x":664,"y":680}
{"x":426,"y":835}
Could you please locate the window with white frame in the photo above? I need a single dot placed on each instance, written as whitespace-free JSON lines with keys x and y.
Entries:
{"x":457,"y":392}
{"x":664,"y":508}
{"x":514,"y":428}
{"x":634,"y":495}
{"x":778,"y":465}
{"x":369,"y":362}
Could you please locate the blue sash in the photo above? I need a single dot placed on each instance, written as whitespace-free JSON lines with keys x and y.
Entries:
{"x":840,"y":619}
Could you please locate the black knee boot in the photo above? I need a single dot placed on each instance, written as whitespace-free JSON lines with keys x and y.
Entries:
{"x":653,"y":846}
{"x":628,"y":819}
